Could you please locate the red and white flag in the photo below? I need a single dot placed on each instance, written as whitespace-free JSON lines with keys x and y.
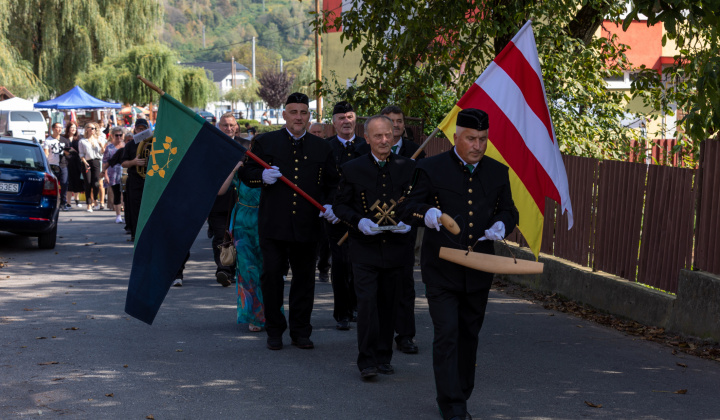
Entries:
{"x":521,"y":134}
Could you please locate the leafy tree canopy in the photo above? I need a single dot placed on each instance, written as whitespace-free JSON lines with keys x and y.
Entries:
{"x":412,"y":52}
{"x":274,"y":87}
{"x":116,"y":77}
{"x":44,"y":44}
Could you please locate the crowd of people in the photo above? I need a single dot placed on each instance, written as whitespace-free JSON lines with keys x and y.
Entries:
{"x":378,"y":193}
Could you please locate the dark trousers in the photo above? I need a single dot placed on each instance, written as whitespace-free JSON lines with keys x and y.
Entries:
{"x":61,"y":173}
{"x":343,"y":287}
{"x":375,"y":288}
{"x":134,"y":188}
{"x":217,"y":221}
{"x":179,"y":274}
{"x":92,"y":180}
{"x":323,"y":259}
{"x":117,"y":197}
{"x":457,"y":318}
{"x":276,"y":256}
{"x":405,"y":306}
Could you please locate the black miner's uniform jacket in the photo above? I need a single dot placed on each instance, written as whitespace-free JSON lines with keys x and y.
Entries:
{"x":476,"y":201}
{"x":408,"y":148}
{"x":342,"y":154}
{"x":362,"y":182}
{"x":284,"y":214}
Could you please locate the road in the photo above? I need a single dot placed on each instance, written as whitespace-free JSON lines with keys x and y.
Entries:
{"x":68,"y":350}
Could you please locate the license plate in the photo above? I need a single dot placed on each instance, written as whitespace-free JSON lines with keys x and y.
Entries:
{"x":28,"y":132}
{"x":11,"y":187}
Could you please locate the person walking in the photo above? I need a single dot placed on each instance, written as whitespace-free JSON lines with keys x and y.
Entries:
{"x":75,"y":167}
{"x":91,"y":152}
{"x":112,"y":171}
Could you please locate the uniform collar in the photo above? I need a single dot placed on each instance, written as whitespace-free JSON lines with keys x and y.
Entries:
{"x":462,"y":162}
{"x":293,"y":137}
{"x":343,"y":141}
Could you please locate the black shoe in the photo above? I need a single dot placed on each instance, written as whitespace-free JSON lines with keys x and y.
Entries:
{"x":274,"y":343}
{"x":369,"y":372}
{"x":354,"y":317}
{"x":386,"y":369}
{"x":343,"y":324}
{"x":223,"y":278}
{"x":323,"y":277}
{"x":407,"y":346}
{"x":303,"y":343}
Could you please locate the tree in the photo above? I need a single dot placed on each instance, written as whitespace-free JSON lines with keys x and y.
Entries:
{"x":264,"y":59}
{"x":116,"y":77}
{"x":274,"y":88}
{"x":59,"y":39}
{"x":249,"y":94}
{"x":693,"y":78}
{"x":411,"y":49}
{"x":303,"y":70}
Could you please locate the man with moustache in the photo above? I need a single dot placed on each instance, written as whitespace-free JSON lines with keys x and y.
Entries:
{"x":288,"y":225}
{"x":402,"y":145}
{"x":475,"y":191}
{"x":378,"y":257}
{"x":346,"y":146}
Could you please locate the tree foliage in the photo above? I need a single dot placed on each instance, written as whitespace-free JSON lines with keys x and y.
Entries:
{"x":693,"y":80}
{"x":59,"y":39}
{"x":411,"y":50}
{"x":265,"y":59}
{"x":116,"y":77}
{"x":274,"y":88}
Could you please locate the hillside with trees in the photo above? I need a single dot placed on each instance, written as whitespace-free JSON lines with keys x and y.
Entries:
{"x":281,"y":28}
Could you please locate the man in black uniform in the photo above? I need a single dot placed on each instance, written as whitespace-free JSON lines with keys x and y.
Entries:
{"x":135,"y":183}
{"x":475,"y":191}
{"x":370,"y":185}
{"x":288,"y":225}
{"x":346,"y":146}
{"x":222,"y":207}
{"x":405,"y":307}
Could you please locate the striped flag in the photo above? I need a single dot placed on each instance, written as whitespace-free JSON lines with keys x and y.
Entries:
{"x":521,"y":135}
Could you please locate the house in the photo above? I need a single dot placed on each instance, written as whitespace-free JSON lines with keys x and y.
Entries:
{"x":221,"y":74}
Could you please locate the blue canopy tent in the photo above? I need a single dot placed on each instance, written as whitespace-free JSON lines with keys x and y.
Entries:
{"x":76,"y":98}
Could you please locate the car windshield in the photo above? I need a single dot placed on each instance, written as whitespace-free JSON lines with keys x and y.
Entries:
{"x":21,"y":156}
{"x":26,"y":116}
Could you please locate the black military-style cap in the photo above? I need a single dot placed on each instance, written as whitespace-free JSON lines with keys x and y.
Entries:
{"x":473,"y":118}
{"x":342,"y":107}
{"x":297,"y":98}
{"x":141,"y":121}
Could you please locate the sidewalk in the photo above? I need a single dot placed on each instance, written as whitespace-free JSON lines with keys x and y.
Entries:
{"x":66,"y":306}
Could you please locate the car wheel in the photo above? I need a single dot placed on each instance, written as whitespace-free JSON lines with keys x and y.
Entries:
{"x":47,"y":240}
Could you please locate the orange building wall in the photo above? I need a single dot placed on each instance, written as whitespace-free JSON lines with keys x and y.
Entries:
{"x":645,"y":42}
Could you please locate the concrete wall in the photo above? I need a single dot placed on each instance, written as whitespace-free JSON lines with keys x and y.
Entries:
{"x":694,"y":311}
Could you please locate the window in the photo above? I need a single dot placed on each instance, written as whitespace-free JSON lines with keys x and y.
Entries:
{"x":21,"y":156}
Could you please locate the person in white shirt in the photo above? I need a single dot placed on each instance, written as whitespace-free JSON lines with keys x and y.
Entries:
{"x":91,"y":152}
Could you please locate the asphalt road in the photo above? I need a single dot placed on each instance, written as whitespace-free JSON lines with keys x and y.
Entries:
{"x":68,"y":350}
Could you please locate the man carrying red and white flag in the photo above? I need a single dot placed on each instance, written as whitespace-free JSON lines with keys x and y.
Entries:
{"x":512,"y":92}
{"x":504,"y":162}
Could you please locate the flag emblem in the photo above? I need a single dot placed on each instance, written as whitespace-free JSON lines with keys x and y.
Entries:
{"x":156,"y":168}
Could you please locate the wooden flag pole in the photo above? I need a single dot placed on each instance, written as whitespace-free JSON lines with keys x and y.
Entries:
{"x":251,"y":156}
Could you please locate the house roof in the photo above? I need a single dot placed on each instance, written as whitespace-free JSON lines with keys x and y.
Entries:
{"x":217,"y":71}
{"x":5,"y":94}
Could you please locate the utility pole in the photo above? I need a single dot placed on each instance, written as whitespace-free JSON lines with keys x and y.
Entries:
{"x":232,"y":74}
{"x":253,"y":57}
{"x":203,"y":35}
{"x":281,"y":64}
{"x":318,"y":66}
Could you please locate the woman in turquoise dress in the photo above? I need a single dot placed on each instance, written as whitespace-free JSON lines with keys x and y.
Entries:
{"x":249,"y":262}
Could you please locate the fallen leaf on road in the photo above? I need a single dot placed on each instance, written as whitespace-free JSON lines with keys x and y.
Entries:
{"x":680,"y":391}
{"x":58,"y":379}
{"x":71,"y":328}
{"x":589,"y":404}
{"x":48,"y":363}
{"x":681,"y":365}
{"x":27,"y":309}
{"x":125,"y":366}
{"x":151,"y":417}
{"x":179,"y":350}
{"x":40,"y":338}
{"x":110,"y":395}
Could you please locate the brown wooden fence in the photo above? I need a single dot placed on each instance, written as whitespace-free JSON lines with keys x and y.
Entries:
{"x":707,"y":248}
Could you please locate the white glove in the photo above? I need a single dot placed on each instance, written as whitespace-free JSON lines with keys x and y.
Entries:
{"x":270,"y":176}
{"x":329,"y":215}
{"x":365,"y":225}
{"x":495,"y":233}
{"x":405,"y":228}
{"x":432,"y":218}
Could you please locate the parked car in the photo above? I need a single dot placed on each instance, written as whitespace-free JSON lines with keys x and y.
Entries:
{"x":29,"y":191}
{"x":23,"y":124}
{"x":209,"y":117}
